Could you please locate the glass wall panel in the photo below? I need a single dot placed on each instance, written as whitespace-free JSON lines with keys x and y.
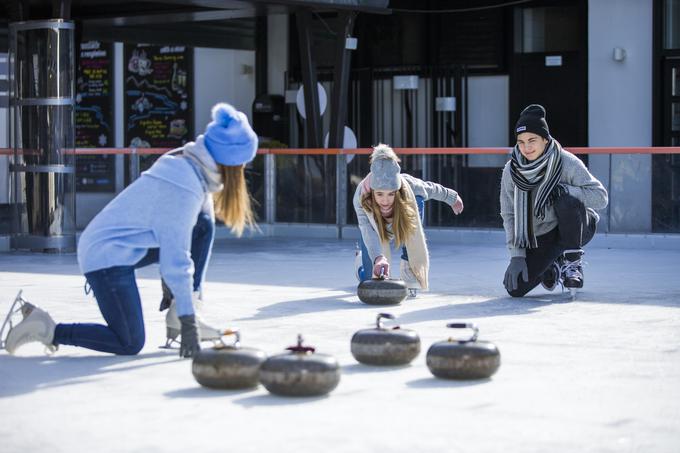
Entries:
{"x":675,"y":116}
{"x":305,"y":189}
{"x":546,"y":29}
{"x":255,"y":180}
{"x":671,"y":24}
{"x":666,"y":192}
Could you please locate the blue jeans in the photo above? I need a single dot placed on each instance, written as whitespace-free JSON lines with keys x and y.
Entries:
{"x":366,"y":259}
{"x":115,"y":289}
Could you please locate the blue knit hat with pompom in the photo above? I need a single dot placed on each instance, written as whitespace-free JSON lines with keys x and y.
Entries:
{"x":229,"y":138}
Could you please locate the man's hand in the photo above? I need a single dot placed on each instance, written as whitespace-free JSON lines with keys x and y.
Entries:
{"x":517,"y":267}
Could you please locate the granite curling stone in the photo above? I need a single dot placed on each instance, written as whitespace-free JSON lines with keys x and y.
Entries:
{"x":463,"y":359}
{"x":382,"y":291}
{"x":228,"y":366}
{"x":300,"y":372}
{"x":385,"y":346}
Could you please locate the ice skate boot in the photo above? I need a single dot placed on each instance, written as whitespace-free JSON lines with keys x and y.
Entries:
{"x":411,"y":281}
{"x":173,"y":326}
{"x":36,"y":325}
{"x":572,"y":271}
{"x":551,"y":276}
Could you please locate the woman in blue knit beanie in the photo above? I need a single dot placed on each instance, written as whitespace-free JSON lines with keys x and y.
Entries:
{"x":389,"y":206}
{"x":165,"y":216}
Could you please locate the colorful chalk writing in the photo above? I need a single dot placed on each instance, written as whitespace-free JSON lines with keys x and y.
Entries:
{"x":94,"y":116}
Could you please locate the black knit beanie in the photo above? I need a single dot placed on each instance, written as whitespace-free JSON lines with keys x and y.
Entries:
{"x":532,"y":119}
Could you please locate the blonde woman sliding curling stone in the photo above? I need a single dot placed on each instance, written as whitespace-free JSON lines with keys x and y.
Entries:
{"x":389,"y":207}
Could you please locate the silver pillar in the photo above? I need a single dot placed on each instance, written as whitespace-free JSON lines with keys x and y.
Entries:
{"x":42,"y":126}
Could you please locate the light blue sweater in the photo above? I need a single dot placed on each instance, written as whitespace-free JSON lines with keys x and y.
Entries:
{"x":157,"y":210}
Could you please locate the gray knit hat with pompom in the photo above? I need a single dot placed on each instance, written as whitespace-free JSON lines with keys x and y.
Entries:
{"x":385,"y":169}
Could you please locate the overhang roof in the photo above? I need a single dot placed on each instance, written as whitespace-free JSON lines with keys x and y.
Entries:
{"x":207,"y":23}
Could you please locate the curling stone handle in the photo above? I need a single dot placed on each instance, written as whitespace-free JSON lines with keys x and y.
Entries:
{"x":300,"y":348}
{"x":380,"y":317}
{"x":237,"y":337}
{"x":465,"y":325}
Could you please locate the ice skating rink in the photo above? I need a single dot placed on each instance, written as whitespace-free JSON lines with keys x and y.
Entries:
{"x":599,"y":374}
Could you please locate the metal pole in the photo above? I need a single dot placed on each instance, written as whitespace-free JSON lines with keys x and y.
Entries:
{"x":339,"y":115}
{"x":270,"y":188}
{"x":312,"y":110}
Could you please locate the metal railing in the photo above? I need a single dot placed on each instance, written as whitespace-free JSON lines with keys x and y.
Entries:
{"x":343,"y":181}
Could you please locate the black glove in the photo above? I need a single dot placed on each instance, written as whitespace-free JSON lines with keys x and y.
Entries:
{"x":517,"y":266}
{"x":189,"y":345}
{"x":167,"y":297}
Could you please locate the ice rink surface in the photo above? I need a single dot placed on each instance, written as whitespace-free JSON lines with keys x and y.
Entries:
{"x":599,"y":374}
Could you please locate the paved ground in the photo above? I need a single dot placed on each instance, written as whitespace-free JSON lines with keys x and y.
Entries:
{"x":599,"y":374}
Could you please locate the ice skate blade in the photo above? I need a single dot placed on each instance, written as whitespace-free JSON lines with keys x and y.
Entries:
{"x":172,"y":335}
{"x":13,"y":310}
{"x":572,"y":293}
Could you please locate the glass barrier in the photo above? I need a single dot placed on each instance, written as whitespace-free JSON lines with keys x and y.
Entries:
{"x":305,"y":188}
{"x":479,"y":188}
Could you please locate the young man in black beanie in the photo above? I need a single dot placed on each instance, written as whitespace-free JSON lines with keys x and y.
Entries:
{"x":548,"y":202}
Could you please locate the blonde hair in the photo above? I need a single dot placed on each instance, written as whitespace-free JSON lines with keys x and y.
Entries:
{"x":404,"y":216}
{"x":233,"y":204}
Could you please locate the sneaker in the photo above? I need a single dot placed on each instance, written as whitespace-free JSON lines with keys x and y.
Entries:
{"x":551,"y":276}
{"x":173,"y":326}
{"x":572,"y":271}
{"x":358,"y":264}
{"x":36,"y":326}
{"x":406,"y":274}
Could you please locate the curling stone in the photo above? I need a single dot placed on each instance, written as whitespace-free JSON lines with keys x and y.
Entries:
{"x":300,"y":372}
{"x":463,"y":359}
{"x":382,"y":291}
{"x":228,"y":366}
{"x":385,"y":346}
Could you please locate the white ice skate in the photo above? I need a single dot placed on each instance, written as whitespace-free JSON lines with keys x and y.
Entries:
{"x":173,"y":326}
{"x":35,"y":325}
{"x":406,"y":274}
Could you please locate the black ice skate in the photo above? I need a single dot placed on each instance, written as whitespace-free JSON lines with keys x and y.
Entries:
{"x":551,"y":276}
{"x":572,"y":271}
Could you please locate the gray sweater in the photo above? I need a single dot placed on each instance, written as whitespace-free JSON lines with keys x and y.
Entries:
{"x":577,"y":180}
{"x":426,"y":189}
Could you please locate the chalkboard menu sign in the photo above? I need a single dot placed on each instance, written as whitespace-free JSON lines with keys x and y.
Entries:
{"x":94,"y":117}
{"x":158,"y":97}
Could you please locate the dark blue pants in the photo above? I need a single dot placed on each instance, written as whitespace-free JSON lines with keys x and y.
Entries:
{"x":115,"y":289}
{"x":366,"y":259}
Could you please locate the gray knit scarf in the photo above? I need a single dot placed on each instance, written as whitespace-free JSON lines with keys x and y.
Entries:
{"x":534,"y":184}
{"x":199,"y":155}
